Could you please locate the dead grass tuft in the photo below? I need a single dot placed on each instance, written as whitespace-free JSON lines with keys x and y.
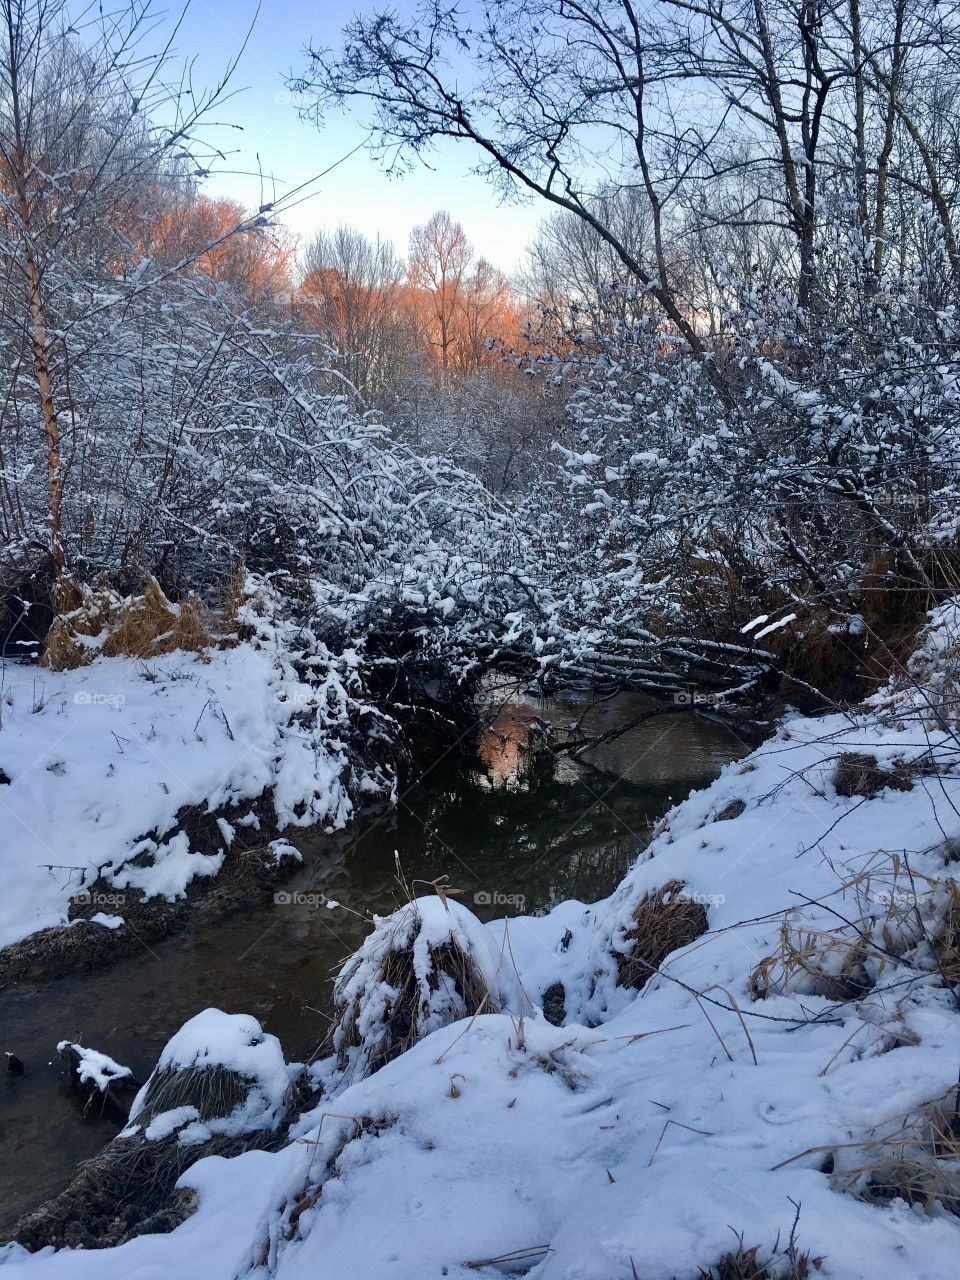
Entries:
{"x":918,"y":1161}
{"x":915,"y":1158}
{"x":215,"y":1091}
{"x":859,"y":774}
{"x":63,"y":652}
{"x":729,"y":811}
{"x":73,"y":638}
{"x":664,"y":921}
{"x":886,"y":914}
{"x":149,"y":625}
{"x":387,"y":1012}
{"x":746,"y":1264}
{"x":144,"y":626}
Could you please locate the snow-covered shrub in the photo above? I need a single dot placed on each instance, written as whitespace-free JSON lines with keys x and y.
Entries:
{"x":426,"y":965}
{"x":928,"y":689}
{"x":797,"y":469}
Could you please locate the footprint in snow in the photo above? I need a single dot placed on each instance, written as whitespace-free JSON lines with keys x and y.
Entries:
{"x":774,"y":1114}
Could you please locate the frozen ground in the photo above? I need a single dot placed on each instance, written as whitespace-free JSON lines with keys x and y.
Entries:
{"x":642,"y":1137}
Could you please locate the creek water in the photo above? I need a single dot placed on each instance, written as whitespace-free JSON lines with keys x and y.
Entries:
{"x":513,"y":835}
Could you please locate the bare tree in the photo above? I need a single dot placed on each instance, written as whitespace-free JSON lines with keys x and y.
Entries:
{"x":439,"y":260}
{"x":350,"y":293}
{"x":80,"y":148}
{"x":734,"y":116}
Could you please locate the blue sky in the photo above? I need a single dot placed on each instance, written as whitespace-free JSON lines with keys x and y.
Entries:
{"x":292,"y":151}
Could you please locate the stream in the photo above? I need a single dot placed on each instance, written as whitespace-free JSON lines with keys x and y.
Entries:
{"x":515,"y":837}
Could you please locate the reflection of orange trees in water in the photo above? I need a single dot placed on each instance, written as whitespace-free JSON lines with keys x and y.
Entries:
{"x":504,"y":745}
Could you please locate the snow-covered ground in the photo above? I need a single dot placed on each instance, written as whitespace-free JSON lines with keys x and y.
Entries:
{"x":98,"y":761}
{"x":645,"y":1135}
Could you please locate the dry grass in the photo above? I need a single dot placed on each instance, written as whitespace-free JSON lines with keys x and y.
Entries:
{"x":63,"y":652}
{"x":883,"y":915}
{"x":90,"y":612}
{"x":915,"y":1159}
{"x":746,"y":1264}
{"x":812,"y":657}
{"x":943,"y":934}
{"x":859,"y":774}
{"x":730,"y":811}
{"x":215,"y":1091}
{"x":891,"y":601}
{"x":127,"y":1190}
{"x":144,"y":626}
{"x":149,"y":625}
{"x":407,"y":1007}
{"x":918,"y":1161}
{"x":664,"y":921}
{"x":312,"y":1190}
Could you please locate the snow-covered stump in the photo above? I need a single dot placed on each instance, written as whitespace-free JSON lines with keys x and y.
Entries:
{"x":220,"y":1088}
{"x":105,"y":1082}
{"x":428,"y":964}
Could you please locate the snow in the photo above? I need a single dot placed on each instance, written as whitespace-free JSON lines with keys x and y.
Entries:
{"x":645,"y":1135}
{"x":107,"y":921}
{"x":775,"y":626}
{"x":754,"y":622}
{"x":169,"y":1122}
{"x":236,"y":1042}
{"x":101,"y":759}
{"x":95,"y":1068}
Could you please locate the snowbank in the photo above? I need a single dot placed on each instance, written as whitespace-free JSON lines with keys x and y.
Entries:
{"x":97,"y":762}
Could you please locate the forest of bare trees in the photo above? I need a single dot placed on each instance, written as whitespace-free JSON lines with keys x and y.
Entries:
{"x":723,"y":384}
